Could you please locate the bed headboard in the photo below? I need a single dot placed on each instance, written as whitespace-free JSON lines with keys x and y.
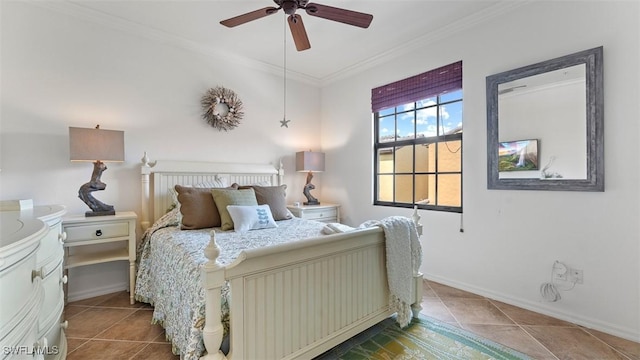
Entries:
{"x":162,"y":175}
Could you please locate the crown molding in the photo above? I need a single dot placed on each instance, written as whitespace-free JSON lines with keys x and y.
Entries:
{"x":76,"y":10}
{"x":503,"y":7}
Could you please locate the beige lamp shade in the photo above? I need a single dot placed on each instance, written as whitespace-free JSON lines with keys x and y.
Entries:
{"x":87,"y":144}
{"x":309,"y":161}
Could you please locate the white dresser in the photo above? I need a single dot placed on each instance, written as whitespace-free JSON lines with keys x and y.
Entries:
{"x":31,"y":280}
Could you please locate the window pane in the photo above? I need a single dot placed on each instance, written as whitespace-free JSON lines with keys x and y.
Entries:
{"x":451,"y":96}
{"x":450,"y":156}
{"x":449,"y":193}
{"x":427,"y":102}
{"x":404,"y":189}
{"x":387,"y":111}
{"x":385,"y":188}
{"x":426,"y":122}
{"x":386,"y":129}
{"x":406,"y":107}
{"x":404,"y":159}
{"x":450,"y":118}
{"x":405,"y":126}
{"x":425,"y":158}
{"x":425,"y":189}
{"x":385,"y":161}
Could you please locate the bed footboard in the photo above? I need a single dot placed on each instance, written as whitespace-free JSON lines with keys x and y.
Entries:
{"x":297,"y":300}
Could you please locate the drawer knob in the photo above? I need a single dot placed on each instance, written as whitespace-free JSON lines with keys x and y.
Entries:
{"x":64,"y":279}
{"x":64,"y":324}
{"x":62,"y":237}
{"x":98,"y":232}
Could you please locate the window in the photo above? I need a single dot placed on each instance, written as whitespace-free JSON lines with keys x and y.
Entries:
{"x":418,"y":141}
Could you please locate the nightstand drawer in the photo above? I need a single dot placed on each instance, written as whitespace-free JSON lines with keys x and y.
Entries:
{"x":96,"y":231}
{"x":325,"y":213}
{"x":320,"y":214}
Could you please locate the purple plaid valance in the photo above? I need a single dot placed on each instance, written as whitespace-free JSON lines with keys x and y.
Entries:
{"x":418,"y":87}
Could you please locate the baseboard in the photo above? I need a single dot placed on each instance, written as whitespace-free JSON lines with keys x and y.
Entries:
{"x":590,"y":323}
{"x":98,"y":291}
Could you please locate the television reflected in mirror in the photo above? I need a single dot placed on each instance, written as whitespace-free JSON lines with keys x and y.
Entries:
{"x":518,"y":155}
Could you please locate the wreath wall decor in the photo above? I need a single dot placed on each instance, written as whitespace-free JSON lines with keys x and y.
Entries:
{"x":222,"y":108}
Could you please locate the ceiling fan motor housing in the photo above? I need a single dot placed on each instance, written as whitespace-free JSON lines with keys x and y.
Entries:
{"x":290,"y":6}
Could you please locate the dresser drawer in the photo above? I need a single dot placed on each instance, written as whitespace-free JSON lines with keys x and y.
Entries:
{"x":96,"y":231}
{"x":19,"y":285}
{"x":51,"y":246}
{"x":53,"y":300}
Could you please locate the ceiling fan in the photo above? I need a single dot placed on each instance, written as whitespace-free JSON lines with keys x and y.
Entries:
{"x":296,"y":26}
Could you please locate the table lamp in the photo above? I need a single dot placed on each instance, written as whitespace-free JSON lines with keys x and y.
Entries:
{"x":98,"y":146}
{"x":310,"y":162}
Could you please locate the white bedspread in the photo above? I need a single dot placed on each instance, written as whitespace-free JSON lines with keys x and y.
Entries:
{"x":169,"y":275}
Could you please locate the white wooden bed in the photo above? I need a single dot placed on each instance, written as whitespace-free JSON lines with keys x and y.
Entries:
{"x":290,"y":301}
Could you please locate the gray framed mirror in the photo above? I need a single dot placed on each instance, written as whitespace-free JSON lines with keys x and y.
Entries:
{"x":545,"y":125}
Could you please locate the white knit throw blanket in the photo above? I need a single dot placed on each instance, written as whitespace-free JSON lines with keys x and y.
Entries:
{"x":404,"y":256}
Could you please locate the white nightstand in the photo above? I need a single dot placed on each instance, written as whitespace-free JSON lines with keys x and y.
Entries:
{"x":328,"y":213}
{"x":101,"y":239}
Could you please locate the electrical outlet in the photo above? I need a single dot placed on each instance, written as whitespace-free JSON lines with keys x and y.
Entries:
{"x":575,"y":275}
{"x":560,"y":271}
{"x":561,"y":276}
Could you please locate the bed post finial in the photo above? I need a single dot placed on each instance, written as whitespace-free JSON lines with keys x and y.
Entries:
{"x":416,"y":219}
{"x":280,"y":172}
{"x":145,"y":161}
{"x":212,"y":281}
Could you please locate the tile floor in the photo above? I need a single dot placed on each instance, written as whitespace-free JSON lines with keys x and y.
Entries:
{"x":108,"y":327}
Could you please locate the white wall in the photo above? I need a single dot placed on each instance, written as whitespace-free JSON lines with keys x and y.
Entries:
{"x":59,"y":71}
{"x":511,"y":238}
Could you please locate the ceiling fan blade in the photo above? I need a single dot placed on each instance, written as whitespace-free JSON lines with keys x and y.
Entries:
{"x":344,"y":16}
{"x":250,"y":16}
{"x":299,"y":33}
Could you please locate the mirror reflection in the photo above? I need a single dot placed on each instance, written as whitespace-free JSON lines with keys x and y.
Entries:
{"x":542,"y":127}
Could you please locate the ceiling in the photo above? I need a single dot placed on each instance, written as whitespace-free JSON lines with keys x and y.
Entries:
{"x":336,"y":48}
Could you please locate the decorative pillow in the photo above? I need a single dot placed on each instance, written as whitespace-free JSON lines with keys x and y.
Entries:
{"x":275,"y":197}
{"x":197,"y":207}
{"x":254,"y":217}
{"x":226,"y":197}
{"x":218,"y":182}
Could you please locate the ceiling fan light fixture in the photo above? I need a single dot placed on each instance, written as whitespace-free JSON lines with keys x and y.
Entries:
{"x":289,"y":7}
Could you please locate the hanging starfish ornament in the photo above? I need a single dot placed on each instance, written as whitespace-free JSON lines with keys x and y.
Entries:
{"x":284,"y":123}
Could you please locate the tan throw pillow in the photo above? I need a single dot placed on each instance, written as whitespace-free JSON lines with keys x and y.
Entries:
{"x":197,"y":208}
{"x":275,"y":197}
{"x":226,"y":197}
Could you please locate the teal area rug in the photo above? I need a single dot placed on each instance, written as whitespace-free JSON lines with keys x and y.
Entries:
{"x":424,"y":338}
